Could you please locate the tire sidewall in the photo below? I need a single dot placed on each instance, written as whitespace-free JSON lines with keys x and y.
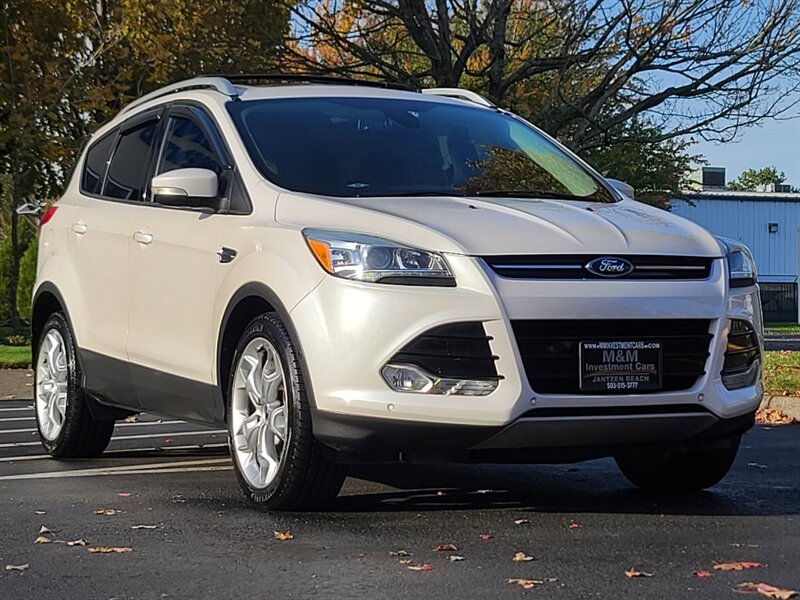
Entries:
{"x":264,"y":326}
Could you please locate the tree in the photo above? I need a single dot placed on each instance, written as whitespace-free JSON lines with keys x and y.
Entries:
{"x":690,"y":67}
{"x":752,"y":179}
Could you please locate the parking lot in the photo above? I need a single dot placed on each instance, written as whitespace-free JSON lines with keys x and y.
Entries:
{"x":166,"y":491}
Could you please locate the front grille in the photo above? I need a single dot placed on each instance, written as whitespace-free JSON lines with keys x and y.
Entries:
{"x":549,"y":349}
{"x":573,"y":266}
{"x":457,"y":350}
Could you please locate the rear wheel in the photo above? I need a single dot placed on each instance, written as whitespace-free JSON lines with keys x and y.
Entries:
{"x":66,"y":426}
{"x":688,"y":471}
{"x":278,"y":462}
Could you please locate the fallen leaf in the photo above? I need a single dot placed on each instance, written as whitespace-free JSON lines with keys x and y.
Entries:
{"x":144,"y":526}
{"x":455,"y":558}
{"x":440,"y":493}
{"x":422,"y":567}
{"x":109,"y":550}
{"x":17,"y":567}
{"x":486,"y":536}
{"x":483,"y":491}
{"x":634,"y":573}
{"x":446,"y":548}
{"x":124,"y":494}
{"x":40,"y":512}
{"x":702,"y":573}
{"x":42,"y":540}
{"x":765,"y":589}
{"x":737,"y":566}
{"x":108,"y":512}
{"x":399,"y":553}
{"x":179,"y":499}
{"x":773,"y":416}
{"x":521,"y":522}
{"x":283,"y":536}
{"x":80,"y":542}
{"x":168,"y":441}
{"x":526,"y":584}
{"x":522,"y":557}
{"x":406,"y":561}
{"x":131,"y":419}
{"x":574,"y":525}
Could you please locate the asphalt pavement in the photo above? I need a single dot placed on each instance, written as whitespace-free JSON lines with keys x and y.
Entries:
{"x":174,"y":502}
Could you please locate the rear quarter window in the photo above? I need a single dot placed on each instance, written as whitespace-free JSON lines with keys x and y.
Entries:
{"x":94,"y":167}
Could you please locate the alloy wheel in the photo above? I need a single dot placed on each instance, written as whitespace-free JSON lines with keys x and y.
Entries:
{"x":52,"y":376}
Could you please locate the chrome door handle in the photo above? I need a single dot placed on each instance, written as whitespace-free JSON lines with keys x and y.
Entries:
{"x":79,"y":228}
{"x":142,"y":237}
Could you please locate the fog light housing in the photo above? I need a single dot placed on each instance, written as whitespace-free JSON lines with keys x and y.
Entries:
{"x":410,"y":378}
{"x":742,"y":367}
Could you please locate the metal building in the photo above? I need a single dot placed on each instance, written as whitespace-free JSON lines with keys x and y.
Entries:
{"x":769,"y":224}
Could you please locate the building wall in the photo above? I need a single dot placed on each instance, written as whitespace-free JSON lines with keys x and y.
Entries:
{"x":748,"y":222}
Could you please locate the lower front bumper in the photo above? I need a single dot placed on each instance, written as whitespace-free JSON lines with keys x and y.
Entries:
{"x":537,"y":436}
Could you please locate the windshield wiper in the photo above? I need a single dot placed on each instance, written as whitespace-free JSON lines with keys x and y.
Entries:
{"x":534,"y":194}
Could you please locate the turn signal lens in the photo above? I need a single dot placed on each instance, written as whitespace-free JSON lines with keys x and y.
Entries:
{"x":322,"y":252}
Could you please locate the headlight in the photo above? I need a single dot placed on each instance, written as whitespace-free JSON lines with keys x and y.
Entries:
{"x":741,"y":266}
{"x":374,"y":259}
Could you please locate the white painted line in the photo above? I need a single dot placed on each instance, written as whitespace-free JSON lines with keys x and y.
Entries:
{"x":130,"y":437}
{"x":29,"y":407}
{"x":163,"y":451}
{"x":17,"y":419}
{"x":138,"y":424}
{"x":171,"y":467}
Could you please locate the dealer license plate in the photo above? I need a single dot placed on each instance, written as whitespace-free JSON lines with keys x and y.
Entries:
{"x":628,"y":366}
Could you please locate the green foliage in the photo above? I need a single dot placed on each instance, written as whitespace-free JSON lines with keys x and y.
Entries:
{"x":751,"y":179}
{"x":15,"y":357}
{"x":27,"y":277}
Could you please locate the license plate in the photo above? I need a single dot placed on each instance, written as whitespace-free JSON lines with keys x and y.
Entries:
{"x":628,"y":366}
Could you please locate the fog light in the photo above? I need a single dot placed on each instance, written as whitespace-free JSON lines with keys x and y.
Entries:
{"x":410,"y":378}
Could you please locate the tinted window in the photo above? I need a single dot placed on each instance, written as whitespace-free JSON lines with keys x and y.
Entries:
{"x":405,"y":147}
{"x":95,"y":165}
{"x":186,"y":146}
{"x":127,"y":173}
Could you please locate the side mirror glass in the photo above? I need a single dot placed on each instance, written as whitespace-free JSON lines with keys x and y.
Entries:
{"x":191,"y":188}
{"x":623,"y":188}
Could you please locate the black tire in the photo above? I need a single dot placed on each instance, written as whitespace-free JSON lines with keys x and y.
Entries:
{"x":685,"y":472}
{"x":308,"y":476}
{"x":81,"y":435}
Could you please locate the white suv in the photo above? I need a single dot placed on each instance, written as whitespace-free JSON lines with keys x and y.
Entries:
{"x":341,"y":272}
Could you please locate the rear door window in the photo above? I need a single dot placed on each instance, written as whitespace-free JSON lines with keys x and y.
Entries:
{"x":94,"y":167}
{"x":127,"y":173}
{"x":186,"y":146}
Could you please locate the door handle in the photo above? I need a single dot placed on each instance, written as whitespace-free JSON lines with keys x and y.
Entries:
{"x":79,"y":228}
{"x":142,"y":237}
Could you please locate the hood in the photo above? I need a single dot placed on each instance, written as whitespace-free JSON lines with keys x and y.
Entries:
{"x":482,"y":227}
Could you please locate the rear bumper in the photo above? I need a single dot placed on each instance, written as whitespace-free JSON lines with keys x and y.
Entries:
{"x":536,"y":436}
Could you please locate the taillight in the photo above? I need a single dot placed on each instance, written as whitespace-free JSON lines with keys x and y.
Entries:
{"x":48,"y":214}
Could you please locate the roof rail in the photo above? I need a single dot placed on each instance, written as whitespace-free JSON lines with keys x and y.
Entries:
{"x":460,"y":94}
{"x":311,"y":78}
{"x":219,"y":84}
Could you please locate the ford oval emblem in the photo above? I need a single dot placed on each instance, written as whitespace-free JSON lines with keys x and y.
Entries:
{"x":609,"y":266}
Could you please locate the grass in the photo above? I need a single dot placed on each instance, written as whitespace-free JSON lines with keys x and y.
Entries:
{"x":15,"y":357}
{"x":783,"y":327}
{"x":782,"y":373}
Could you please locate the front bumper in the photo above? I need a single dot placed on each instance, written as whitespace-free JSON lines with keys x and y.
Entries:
{"x":350,"y":330}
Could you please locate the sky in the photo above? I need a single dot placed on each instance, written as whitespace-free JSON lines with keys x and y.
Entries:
{"x":774,"y":143}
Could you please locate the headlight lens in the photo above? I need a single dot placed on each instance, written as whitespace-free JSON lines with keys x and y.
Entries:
{"x":741,"y":266}
{"x":368,"y":258}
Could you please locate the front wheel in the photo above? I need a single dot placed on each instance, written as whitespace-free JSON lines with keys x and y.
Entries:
{"x":67,"y":427}
{"x":689,"y":471}
{"x":278,"y":462}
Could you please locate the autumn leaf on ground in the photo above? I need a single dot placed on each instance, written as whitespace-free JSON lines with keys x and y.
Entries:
{"x":522,"y":557}
{"x":703,"y":573}
{"x":773,"y":416}
{"x":406,"y":561}
{"x":486,"y":536}
{"x":107,"y":512}
{"x":43,"y":530}
{"x":144,"y":526}
{"x":521,"y":522}
{"x":40,"y":512}
{"x":42,"y":540}
{"x":399,"y":553}
{"x":455,"y":558}
{"x":79,"y":542}
{"x":767,"y":590}
{"x":526,"y":584}
{"x":283,"y":536}
{"x":737,"y":566}
{"x":422,"y":567}
{"x":574,"y":525}
{"x":131,"y":419}
{"x":446,"y":548}
{"x":109,"y":550}
{"x":17,"y":567}
{"x":634,"y":573}
{"x":124,"y":494}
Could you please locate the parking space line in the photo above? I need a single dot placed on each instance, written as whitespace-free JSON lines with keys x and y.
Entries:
{"x":130,"y":437}
{"x":141,"y":469}
{"x":29,"y":407}
{"x":163,"y":451}
{"x":137,"y":424}
{"x":5,"y":419}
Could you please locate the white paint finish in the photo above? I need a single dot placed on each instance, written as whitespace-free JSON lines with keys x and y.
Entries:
{"x":747,"y":221}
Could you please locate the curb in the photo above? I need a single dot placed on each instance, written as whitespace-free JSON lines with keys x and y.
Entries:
{"x":789,"y":405}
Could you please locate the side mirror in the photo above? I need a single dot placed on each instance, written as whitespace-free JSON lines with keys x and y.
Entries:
{"x":190,"y":188}
{"x":29,"y":209}
{"x":623,"y":188}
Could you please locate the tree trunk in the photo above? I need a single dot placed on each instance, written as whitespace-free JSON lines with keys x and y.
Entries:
{"x":16,"y":252}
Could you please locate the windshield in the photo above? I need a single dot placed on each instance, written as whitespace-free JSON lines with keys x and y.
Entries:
{"x":362,"y":147}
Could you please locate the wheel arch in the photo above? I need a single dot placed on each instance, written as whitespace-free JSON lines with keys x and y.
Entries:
{"x":249,"y":301}
{"x":46,"y":301}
